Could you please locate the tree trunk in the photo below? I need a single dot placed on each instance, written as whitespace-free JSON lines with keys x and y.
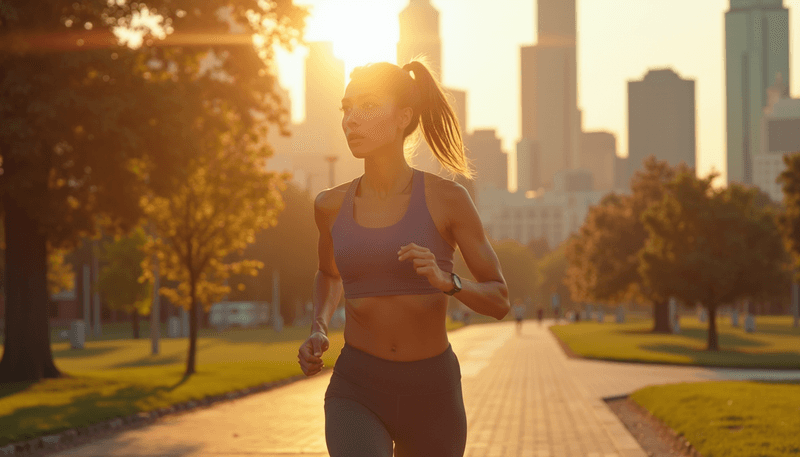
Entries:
{"x":661,"y":323}
{"x":135,"y":317}
{"x":713,"y":343}
{"x":27,"y":355}
{"x":193,"y":323}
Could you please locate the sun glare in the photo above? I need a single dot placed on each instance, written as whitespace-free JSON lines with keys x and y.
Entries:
{"x":361,"y":31}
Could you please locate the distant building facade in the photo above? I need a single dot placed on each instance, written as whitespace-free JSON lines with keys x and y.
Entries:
{"x":780,"y":136}
{"x":528,"y":178}
{"x":419,"y":34}
{"x":661,"y":120}
{"x":756,"y":49}
{"x":488,"y":159}
{"x":622,"y":182}
{"x":549,"y":93}
{"x":553,"y":215}
{"x":599,"y":154}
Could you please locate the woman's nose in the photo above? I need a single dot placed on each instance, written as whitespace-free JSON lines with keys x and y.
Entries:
{"x":349,"y":119}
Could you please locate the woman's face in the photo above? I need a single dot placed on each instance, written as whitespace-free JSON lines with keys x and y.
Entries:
{"x":371,"y":121}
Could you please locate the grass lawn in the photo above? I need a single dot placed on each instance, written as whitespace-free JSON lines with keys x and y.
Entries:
{"x":775,"y":344}
{"x":118,"y":377}
{"x":730,"y":418}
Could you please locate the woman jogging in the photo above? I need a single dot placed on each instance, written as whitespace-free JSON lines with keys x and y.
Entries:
{"x":387,"y":238}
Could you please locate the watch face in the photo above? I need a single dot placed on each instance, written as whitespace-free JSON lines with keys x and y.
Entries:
{"x":457,"y":281}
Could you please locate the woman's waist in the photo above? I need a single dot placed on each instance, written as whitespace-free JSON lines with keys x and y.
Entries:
{"x":438,"y":373}
{"x":402,"y":327}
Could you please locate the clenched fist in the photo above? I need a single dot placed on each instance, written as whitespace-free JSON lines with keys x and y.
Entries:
{"x":310,"y":354}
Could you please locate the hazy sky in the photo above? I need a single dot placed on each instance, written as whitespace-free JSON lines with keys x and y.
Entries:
{"x":618,"y":41}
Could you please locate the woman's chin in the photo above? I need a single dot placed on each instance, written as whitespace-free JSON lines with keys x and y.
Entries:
{"x":359,"y":153}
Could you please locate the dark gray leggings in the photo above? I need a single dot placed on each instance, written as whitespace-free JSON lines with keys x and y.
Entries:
{"x":372,"y":403}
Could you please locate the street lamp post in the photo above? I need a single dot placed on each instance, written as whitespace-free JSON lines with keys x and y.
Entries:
{"x":331,"y":169}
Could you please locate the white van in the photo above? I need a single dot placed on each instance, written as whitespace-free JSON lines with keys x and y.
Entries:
{"x":244,"y":314}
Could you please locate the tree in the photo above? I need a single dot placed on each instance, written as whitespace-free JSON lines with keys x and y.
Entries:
{"x":599,"y":267}
{"x":604,"y":256}
{"x":551,"y":272}
{"x":710,"y":246}
{"x":81,"y":115}
{"x":216,"y":212}
{"x":519,"y":268}
{"x":289,"y":247}
{"x":789,"y":218}
{"x":119,"y":278}
{"x":539,"y":247}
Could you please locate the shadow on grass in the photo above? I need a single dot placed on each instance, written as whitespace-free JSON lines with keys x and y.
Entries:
{"x":701,"y":335}
{"x":70,"y":353}
{"x":775,"y":329}
{"x":727,"y":357}
{"x":92,"y":407}
{"x":151,"y":361}
{"x":11,"y":388}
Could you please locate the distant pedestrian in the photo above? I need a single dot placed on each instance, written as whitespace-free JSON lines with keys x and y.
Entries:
{"x":540,"y":315}
{"x":519,"y":314}
{"x":387,"y":239}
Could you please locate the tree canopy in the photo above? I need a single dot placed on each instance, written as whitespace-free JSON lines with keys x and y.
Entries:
{"x":91,"y":122}
{"x":710,"y":246}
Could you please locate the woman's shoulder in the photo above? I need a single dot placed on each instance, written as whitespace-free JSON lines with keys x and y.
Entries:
{"x":446,"y":189}
{"x":330,"y":200}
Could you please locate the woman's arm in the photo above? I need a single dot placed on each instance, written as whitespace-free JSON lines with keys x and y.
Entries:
{"x":488,"y":294}
{"x":327,"y":289}
{"x":327,"y":282}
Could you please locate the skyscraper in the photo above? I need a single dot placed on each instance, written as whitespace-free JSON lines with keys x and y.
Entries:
{"x":661,"y":119}
{"x":549,"y":90}
{"x":757,"y":48}
{"x":598,"y":155}
{"x":324,"y":89}
{"x":780,"y":136}
{"x":489,"y":160}
{"x":419,"y":34}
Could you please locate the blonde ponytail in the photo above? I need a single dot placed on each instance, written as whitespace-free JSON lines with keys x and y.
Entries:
{"x":438,"y":121}
{"x":433,"y":113}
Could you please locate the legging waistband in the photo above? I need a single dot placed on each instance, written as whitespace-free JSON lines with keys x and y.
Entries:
{"x":439,"y":373}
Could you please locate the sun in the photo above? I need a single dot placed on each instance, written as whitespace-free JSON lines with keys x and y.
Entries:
{"x":362,"y":31}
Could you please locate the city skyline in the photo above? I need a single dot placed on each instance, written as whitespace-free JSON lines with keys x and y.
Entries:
{"x":496,"y":36}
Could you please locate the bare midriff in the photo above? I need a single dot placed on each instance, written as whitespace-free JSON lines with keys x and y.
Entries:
{"x":402,"y":328}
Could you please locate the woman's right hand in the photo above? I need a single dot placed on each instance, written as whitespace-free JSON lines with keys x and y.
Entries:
{"x":310,"y":354}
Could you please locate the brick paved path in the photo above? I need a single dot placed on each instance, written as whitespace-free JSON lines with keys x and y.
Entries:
{"x":522,"y":395}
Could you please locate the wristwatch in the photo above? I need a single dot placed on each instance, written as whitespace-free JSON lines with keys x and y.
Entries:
{"x":456,"y":284}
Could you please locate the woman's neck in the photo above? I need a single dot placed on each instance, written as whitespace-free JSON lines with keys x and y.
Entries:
{"x":385,"y":177}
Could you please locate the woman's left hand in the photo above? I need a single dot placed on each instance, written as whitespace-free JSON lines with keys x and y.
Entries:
{"x":425,"y":265}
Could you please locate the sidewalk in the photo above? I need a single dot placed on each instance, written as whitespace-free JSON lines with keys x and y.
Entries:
{"x":522,"y":395}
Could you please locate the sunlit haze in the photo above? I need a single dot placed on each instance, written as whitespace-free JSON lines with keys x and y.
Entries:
{"x":617,"y":41}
